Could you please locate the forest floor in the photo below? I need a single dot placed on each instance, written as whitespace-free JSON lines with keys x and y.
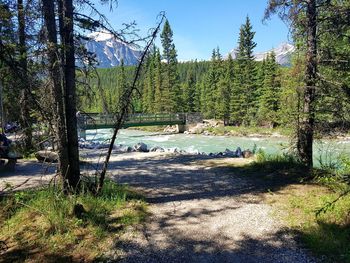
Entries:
{"x":200,"y":210}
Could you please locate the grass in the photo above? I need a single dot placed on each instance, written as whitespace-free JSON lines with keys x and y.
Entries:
{"x":326,"y":233}
{"x":246,"y":131}
{"x":306,"y":202}
{"x":46,"y":226}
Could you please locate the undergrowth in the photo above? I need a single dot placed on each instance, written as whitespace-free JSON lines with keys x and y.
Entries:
{"x":45,"y":225}
{"x":319,"y":212}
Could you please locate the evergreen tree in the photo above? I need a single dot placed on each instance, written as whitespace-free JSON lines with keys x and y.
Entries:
{"x":270,"y":92}
{"x":243,"y":102}
{"x":158,"y":101}
{"x":148,"y":91}
{"x":171,"y":86}
{"x":224,"y":90}
{"x":189,"y":92}
{"x":212,"y":80}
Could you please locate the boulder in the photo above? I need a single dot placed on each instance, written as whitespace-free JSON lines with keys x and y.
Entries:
{"x":229,"y":153}
{"x":47,"y":156}
{"x":247,"y":154}
{"x":156,"y":149}
{"x":238,"y":152}
{"x":140,"y":147}
{"x":171,"y":129}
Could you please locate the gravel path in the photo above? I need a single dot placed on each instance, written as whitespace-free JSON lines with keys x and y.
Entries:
{"x":201,"y":214}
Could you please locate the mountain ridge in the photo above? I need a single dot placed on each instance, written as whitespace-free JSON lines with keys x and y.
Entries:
{"x":109,"y":51}
{"x":283,"y":54}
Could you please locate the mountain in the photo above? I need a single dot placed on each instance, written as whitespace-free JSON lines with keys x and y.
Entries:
{"x":110,"y":51}
{"x":283,"y":54}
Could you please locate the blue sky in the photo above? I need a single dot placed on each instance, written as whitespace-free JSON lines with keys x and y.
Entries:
{"x":199,"y":26}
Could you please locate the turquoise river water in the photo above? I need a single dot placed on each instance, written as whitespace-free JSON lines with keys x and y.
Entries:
{"x":327,"y":150}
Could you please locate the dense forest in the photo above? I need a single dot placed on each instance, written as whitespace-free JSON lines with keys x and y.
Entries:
{"x":241,"y":91}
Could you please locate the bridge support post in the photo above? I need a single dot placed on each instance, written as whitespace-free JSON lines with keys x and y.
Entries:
{"x":181,"y":128}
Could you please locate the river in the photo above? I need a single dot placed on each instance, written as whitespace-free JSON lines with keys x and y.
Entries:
{"x":326,"y":150}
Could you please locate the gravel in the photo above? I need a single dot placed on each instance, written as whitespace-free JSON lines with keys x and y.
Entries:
{"x":200,"y":213}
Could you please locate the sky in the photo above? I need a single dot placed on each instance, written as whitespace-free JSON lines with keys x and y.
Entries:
{"x":199,"y":26}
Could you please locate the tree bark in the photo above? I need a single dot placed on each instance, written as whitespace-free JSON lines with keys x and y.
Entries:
{"x":307,"y":123}
{"x":25,"y":88}
{"x":70,"y":93}
{"x":57,"y":94}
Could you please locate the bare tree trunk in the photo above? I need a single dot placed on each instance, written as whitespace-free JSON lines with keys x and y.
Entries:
{"x":57,"y":94}
{"x":306,"y":129}
{"x":70,"y":93}
{"x":25,"y":89}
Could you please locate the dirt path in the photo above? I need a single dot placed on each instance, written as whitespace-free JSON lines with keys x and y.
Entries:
{"x":199,"y":211}
{"x":202,"y":214}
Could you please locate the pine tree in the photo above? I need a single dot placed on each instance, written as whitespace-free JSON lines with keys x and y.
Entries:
{"x":158,"y":94}
{"x":270,"y":92}
{"x":224,"y":90}
{"x":171,"y":86}
{"x":148,"y":91}
{"x":244,"y":91}
{"x":189,"y":92}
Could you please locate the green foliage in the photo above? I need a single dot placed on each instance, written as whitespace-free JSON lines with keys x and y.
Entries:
{"x":326,"y":233}
{"x":269,"y":94}
{"x":276,"y":162}
{"x":244,"y":94}
{"x":47,"y":215}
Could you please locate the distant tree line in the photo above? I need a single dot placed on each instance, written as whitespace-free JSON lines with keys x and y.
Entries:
{"x":241,"y":90}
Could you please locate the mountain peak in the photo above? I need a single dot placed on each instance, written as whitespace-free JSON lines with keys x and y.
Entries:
{"x":100,"y":36}
{"x":110,"y":51}
{"x":283,"y":53}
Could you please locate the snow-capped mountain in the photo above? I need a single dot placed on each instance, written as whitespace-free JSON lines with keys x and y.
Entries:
{"x":283,"y":54}
{"x":110,"y":51}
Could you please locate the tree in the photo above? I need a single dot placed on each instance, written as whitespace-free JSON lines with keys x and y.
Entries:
{"x":25,"y":88}
{"x":270,"y":92}
{"x":189,"y":92}
{"x":170,"y":80}
{"x":57,"y":93}
{"x":243,"y":102}
{"x":303,"y":18}
{"x":158,"y":96}
{"x":224,"y":90}
{"x":212,"y":79}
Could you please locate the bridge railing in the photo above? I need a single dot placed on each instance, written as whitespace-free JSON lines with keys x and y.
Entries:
{"x":95,"y":119}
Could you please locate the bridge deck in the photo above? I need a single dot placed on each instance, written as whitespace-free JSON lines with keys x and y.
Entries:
{"x":104,"y":121}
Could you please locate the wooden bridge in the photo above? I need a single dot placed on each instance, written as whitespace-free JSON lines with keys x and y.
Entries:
{"x":92,"y":121}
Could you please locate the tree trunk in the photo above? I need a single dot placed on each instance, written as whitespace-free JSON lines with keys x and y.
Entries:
{"x":70,"y":93}
{"x":25,"y":88}
{"x":57,"y":94}
{"x":307,"y":123}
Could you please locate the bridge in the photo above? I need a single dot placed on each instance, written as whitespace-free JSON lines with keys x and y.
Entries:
{"x":92,"y":121}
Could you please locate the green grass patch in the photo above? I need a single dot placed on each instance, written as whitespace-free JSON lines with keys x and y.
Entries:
{"x":315,"y":204}
{"x":326,"y":233}
{"x":247,"y":131}
{"x":45,"y":225}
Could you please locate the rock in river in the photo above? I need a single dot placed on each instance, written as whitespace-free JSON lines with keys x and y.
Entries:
{"x":140,"y":147}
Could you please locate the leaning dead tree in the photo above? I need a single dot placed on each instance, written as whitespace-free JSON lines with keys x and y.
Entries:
{"x":125,"y":102}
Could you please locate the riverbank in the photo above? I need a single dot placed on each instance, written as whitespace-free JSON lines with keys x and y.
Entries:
{"x":217,"y":128}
